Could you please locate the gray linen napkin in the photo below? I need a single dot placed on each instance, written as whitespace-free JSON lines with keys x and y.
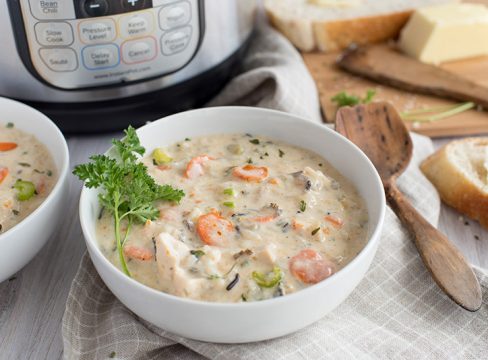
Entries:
{"x":397,"y":312}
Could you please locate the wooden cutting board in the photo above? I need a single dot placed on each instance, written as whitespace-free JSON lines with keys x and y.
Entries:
{"x":331,"y":80}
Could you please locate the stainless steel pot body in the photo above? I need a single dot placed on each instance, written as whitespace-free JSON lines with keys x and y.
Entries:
{"x":77,"y":51}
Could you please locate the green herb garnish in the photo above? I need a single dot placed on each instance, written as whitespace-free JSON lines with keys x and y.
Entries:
{"x":197,"y":253}
{"x":249,"y":161}
{"x":345,"y":99}
{"x":314,"y":231}
{"x":229,"y":191}
{"x":187,"y":139}
{"x":229,"y":204}
{"x":9,"y":125}
{"x":254,"y":141}
{"x":160,"y":157}
{"x":25,"y":190}
{"x":269,"y":280}
{"x":128,"y":191}
{"x":303,"y":206}
{"x":281,"y":152}
{"x":112,"y":355}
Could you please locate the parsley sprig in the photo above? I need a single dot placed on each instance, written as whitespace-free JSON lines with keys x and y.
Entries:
{"x":345,"y":99}
{"x":128,"y":191}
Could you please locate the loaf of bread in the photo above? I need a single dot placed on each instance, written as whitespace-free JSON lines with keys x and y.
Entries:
{"x":328,"y":25}
{"x":459,"y":171}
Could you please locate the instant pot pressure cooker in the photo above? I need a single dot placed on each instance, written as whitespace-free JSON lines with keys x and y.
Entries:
{"x":97,"y":65}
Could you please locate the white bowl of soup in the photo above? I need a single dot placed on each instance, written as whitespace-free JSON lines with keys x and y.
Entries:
{"x":34,"y":164}
{"x":280,"y":221}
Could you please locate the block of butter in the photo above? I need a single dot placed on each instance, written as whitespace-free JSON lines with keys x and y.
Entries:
{"x":446,"y":32}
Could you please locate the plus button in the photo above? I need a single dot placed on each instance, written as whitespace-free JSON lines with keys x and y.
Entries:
{"x":133,"y":4}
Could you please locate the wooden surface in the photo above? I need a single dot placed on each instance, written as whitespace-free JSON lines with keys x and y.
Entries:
{"x":331,"y":80}
{"x":32,"y":303}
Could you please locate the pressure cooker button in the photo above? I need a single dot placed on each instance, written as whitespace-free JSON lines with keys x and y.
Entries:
{"x":140,"y":50}
{"x":59,"y":60}
{"x":96,"y":7}
{"x":175,"y":15}
{"x":52,"y":9}
{"x":54,"y":33}
{"x":136,"y":25}
{"x":97,"y":31}
{"x":175,"y":41}
{"x":98,"y":57}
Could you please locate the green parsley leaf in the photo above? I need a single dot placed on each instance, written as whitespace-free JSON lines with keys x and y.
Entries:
{"x":370,"y":93}
{"x":314,"y":231}
{"x":197,"y":253}
{"x":254,"y":141}
{"x":128,"y":192}
{"x":303,"y":206}
{"x":345,"y":99}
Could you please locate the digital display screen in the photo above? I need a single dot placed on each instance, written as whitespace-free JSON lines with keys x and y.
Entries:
{"x":96,"y":8}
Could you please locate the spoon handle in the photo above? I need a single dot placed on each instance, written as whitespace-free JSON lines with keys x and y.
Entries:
{"x":446,"y":264}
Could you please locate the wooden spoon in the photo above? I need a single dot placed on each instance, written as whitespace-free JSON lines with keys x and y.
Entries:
{"x":380,"y":132}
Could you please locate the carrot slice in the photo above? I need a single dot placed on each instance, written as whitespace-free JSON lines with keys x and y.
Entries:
{"x":251,"y":173}
{"x":138,"y":253}
{"x":195,"y":166}
{"x":296,"y":225}
{"x":263,"y":219}
{"x":7,"y":146}
{"x":336,"y":222}
{"x":309,"y":267}
{"x":3,"y":173}
{"x":213,"y":229}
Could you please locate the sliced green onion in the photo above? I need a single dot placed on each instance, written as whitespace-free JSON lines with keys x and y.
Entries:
{"x":269,"y":280}
{"x":26,"y":189}
{"x":160,"y":157}
{"x":229,"y":191}
{"x":229,"y":204}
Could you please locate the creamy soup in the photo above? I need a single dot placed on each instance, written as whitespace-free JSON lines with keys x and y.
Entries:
{"x":260,"y":219}
{"x":27,"y":175}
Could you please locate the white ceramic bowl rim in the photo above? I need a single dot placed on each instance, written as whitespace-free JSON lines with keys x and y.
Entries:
{"x":62,"y":173}
{"x":267,"y":302}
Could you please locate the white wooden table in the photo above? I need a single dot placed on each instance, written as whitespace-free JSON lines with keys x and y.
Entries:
{"x":32,"y":302}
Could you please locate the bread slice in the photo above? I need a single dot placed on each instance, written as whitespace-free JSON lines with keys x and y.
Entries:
{"x":459,"y":171}
{"x":328,"y":25}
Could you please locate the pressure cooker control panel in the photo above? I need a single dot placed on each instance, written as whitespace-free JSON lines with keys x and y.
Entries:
{"x":76,"y":44}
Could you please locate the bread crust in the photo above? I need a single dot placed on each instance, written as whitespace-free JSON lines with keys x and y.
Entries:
{"x":338,"y":35}
{"x":308,"y":35}
{"x":454,"y":188}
